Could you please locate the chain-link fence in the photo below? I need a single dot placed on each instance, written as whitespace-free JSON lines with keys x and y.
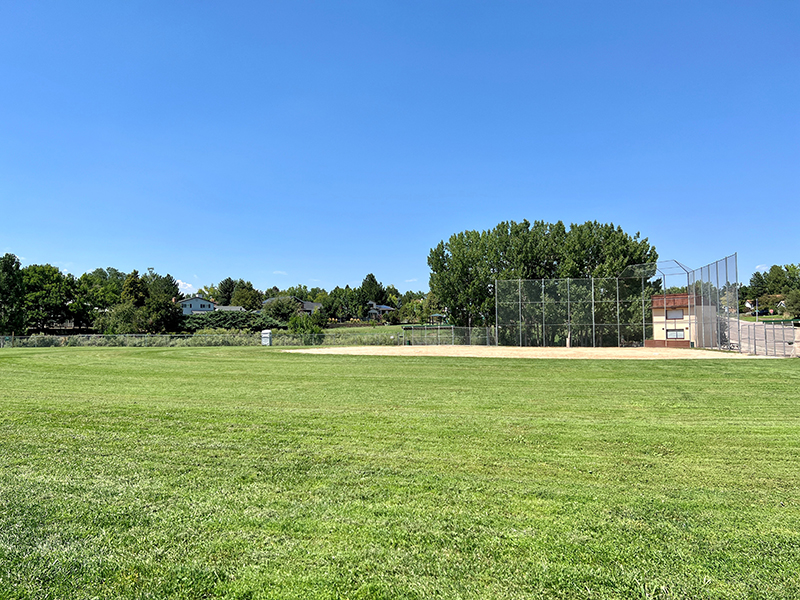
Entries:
{"x":279,"y":338}
{"x":656,"y":304}
{"x":447,"y":335}
{"x":767,"y":338}
{"x":410,"y":335}
{"x":592,"y":312}
{"x":713,"y":294}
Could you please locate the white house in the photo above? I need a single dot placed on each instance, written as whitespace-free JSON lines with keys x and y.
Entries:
{"x":197,"y":305}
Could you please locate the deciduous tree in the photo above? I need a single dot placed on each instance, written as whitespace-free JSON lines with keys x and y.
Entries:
{"x":12,"y":296}
{"x":245,"y":295}
{"x":48,"y":295}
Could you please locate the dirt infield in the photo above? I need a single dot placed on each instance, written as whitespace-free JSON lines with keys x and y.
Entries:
{"x":516,"y":352}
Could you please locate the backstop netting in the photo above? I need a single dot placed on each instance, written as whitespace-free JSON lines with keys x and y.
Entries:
{"x":663,"y":301}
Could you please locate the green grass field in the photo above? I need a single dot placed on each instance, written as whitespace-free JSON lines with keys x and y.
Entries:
{"x":251,"y":473}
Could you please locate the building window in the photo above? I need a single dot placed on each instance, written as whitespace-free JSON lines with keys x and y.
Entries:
{"x":676,"y":313}
{"x":675,"y":334}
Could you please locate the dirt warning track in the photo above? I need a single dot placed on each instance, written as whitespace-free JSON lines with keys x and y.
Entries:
{"x":516,"y":352}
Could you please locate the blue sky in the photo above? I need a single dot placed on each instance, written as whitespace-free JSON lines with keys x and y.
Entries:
{"x":313,"y":143}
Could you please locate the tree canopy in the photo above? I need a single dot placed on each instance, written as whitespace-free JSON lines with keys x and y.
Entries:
{"x":49,"y":294}
{"x":12,"y":296}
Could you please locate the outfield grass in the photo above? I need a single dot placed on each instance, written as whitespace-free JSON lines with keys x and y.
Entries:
{"x":244,"y":472}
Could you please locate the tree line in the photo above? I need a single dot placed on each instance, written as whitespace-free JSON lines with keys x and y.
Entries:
{"x":41,"y":298}
{"x":463,"y":273}
{"x":777,"y":289}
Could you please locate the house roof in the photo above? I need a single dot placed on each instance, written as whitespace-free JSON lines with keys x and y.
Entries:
{"x":675,"y":300}
{"x":197,"y":298}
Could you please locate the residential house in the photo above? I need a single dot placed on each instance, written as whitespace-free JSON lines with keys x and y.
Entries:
{"x":376,"y":311}
{"x":197,"y":305}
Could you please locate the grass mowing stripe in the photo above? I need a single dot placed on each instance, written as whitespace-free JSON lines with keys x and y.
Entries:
{"x":251,"y":473}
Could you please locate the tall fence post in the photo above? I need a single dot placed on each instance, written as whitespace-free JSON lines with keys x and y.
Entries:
{"x":774,"y":349}
{"x":619,"y":331}
{"x":519,"y":323}
{"x":783,"y":339}
{"x":594,"y":329}
{"x":543,"y":317}
{"x":716,"y":312}
{"x":569,"y":319}
{"x":644,"y":317}
{"x":496,"y":314}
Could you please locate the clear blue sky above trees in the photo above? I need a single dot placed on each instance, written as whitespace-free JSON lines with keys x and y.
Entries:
{"x":308,"y":143}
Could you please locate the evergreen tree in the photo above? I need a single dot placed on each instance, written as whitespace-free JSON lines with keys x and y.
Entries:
{"x":134,"y":290}
{"x":225,"y":290}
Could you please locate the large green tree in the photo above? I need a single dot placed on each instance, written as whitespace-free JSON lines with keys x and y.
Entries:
{"x":793,"y":304}
{"x":281,"y":309}
{"x":12,"y":296}
{"x":96,"y":293}
{"x":134,"y":290}
{"x":48,"y":296}
{"x":372,"y":290}
{"x":246,"y":296}
{"x":225,"y":290}
{"x":464,"y":268}
{"x":162,"y":313}
{"x":148,"y":304}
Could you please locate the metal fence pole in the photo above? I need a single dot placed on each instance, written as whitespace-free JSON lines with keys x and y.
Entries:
{"x":519,"y":323}
{"x":774,"y":349}
{"x":619,"y":331}
{"x":736,"y":297}
{"x":594,"y":329}
{"x":496,"y":317}
{"x":644,"y":326}
{"x":543,"y":315}
{"x":783,"y":339}
{"x":569,"y":319}
{"x":716,"y":311}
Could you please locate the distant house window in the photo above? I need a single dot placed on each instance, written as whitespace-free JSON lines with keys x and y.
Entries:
{"x":675,"y":313}
{"x":675,"y":334}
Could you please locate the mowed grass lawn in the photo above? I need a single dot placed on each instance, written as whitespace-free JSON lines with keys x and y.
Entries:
{"x":253,"y":473}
